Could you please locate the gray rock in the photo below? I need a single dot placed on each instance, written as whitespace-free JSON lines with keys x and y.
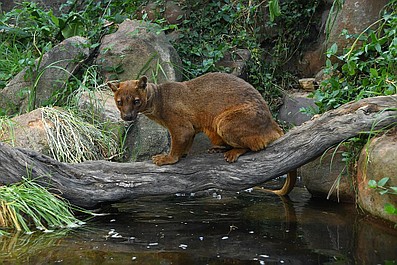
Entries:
{"x":327,"y":177}
{"x":139,"y":48}
{"x":236,"y":61}
{"x":30,"y":88}
{"x":290,"y":110}
{"x":355,"y":17}
{"x":146,"y":138}
{"x":101,"y":105}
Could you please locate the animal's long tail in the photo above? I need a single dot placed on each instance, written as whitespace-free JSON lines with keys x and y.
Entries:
{"x":289,"y":184}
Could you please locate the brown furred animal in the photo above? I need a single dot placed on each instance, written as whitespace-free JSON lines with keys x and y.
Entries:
{"x":230,"y":111}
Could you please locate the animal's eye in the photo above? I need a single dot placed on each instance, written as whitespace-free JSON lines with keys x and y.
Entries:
{"x":119,"y":103}
{"x":137,"y":101}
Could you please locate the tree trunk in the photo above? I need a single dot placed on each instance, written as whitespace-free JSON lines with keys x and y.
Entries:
{"x":90,"y":183}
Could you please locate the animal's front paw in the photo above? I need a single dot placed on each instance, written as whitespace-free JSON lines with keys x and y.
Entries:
{"x":233,"y":154}
{"x":164,"y":160}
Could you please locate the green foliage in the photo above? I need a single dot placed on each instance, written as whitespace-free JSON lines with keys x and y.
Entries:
{"x":382,"y":188}
{"x":206,"y":34}
{"x":368,"y":68}
{"x":27,"y":204}
{"x":215,"y":28}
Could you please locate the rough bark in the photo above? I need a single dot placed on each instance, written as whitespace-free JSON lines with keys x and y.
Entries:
{"x":90,"y":183}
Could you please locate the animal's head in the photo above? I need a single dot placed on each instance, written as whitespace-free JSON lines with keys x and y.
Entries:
{"x":130,"y":97}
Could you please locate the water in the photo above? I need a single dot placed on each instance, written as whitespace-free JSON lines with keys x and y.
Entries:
{"x":222,"y":228}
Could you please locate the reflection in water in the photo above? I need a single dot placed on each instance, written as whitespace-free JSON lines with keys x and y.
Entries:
{"x":245,"y":228}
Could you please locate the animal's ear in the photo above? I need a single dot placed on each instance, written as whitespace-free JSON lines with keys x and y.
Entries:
{"x":114,"y":86}
{"x":142,"y":83}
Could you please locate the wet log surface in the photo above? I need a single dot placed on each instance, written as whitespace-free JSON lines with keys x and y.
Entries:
{"x":91,"y":183}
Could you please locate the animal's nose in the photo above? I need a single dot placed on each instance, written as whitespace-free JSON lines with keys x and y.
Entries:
{"x":128,"y":117}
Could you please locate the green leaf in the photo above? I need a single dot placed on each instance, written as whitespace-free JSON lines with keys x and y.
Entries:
{"x":383,"y":192}
{"x":378,"y":48}
{"x":333,"y":49}
{"x":374,"y":72}
{"x":274,"y":9}
{"x":372,"y":184}
{"x":72,"y":29}
{"x":394,"y":190}
{"x":390,"y":209}
{"x":383,"y":181}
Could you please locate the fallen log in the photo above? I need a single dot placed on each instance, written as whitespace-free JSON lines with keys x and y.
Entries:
{"x":91,"y":183}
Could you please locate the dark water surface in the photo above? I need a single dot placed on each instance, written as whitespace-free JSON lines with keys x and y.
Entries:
{"x":226,"y":228}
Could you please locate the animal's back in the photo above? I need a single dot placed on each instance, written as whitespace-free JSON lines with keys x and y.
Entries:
{"x":215,"y":92}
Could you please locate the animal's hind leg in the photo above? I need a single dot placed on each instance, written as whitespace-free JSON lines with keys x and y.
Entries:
{"x":246,"y":129}
{"x":218,"y":145}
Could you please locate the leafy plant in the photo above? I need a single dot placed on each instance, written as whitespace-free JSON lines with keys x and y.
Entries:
{"x":367,"y":68}
{"x":381,"y":187}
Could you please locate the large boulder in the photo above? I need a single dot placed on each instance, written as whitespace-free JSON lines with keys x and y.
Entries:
{"x":139,"y":48}
{"x":145,"y":138}
{"x":354,"y":17}
{"x":327,"y":177}
{"x":26,"y":131}
{"x":377,"y":161}
{"x":32,"y":88}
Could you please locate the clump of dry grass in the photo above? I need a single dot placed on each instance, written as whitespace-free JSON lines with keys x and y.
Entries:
{"x":73,"y":140}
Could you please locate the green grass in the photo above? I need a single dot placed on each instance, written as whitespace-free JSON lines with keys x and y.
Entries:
{"x":25,"y":205}
{"x":14,"y":58}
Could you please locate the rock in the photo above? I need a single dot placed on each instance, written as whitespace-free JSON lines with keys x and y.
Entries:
{"x":307,"y":84}
{"x":328,"y":173}
{"x":60,"y":134}
{"x":354,"y":17}
{"x":236,"y":61}
{"x":101,"y":105}
{"x":144,"y":139}
{"x":173,"y":11}
{"x":26,"y":131}
{"x":290,"y":110}
{"x":139,"y":48}
{"x":312,"y":60}
{"x":378,"y":160}
{"x":56,"y":67}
